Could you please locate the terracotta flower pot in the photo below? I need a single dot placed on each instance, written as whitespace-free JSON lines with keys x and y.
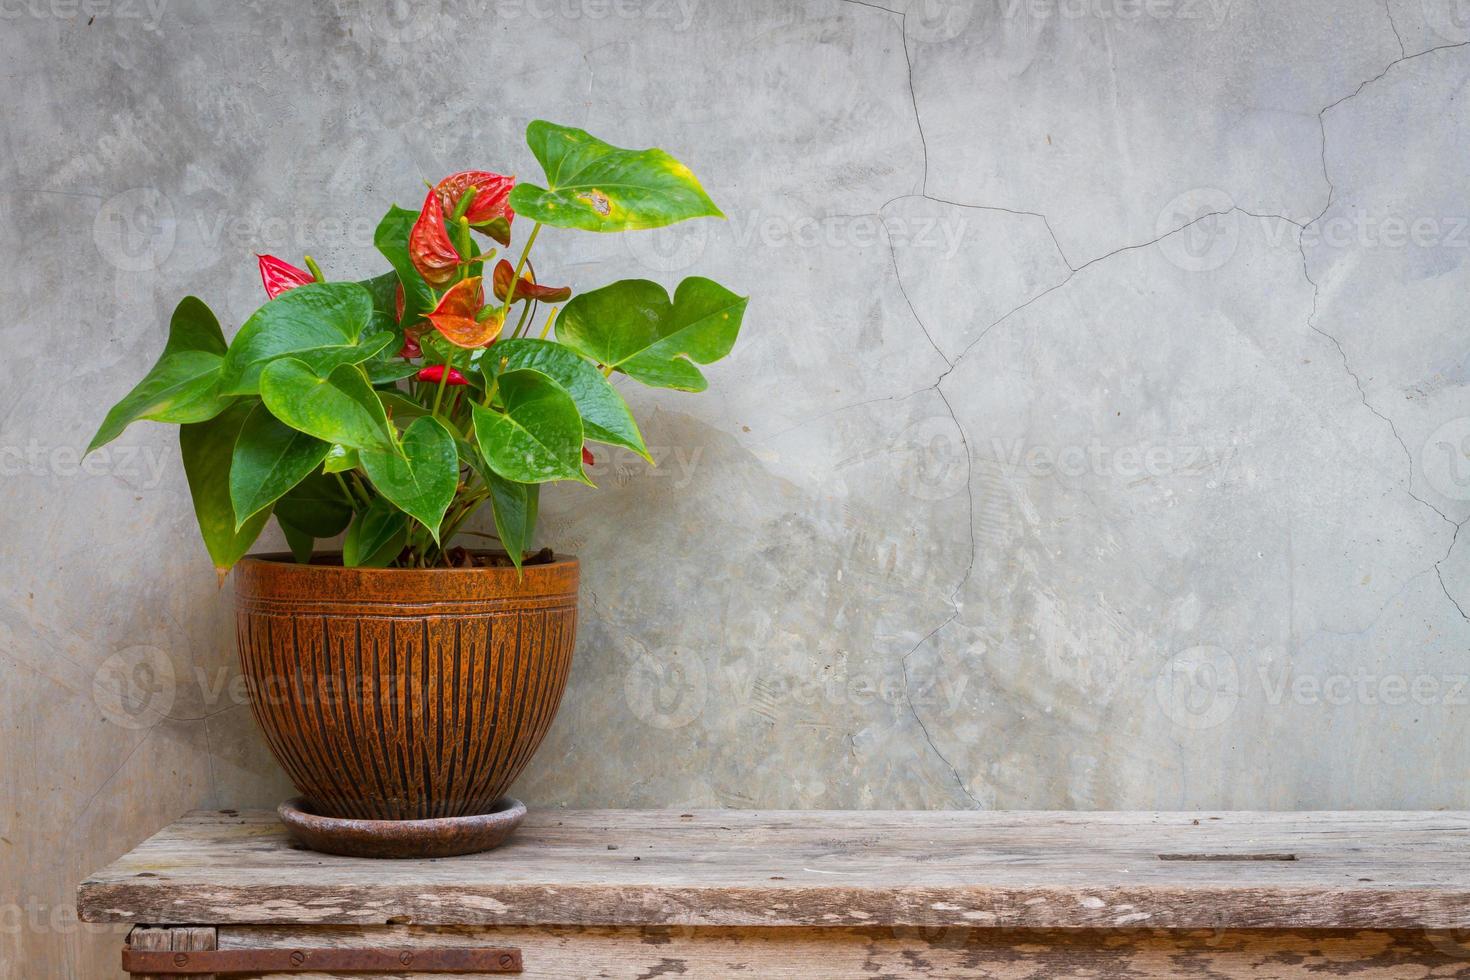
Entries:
{"x":404,"y":694}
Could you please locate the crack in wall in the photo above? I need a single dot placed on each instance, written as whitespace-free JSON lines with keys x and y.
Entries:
{"x":1408,"y":487}
{"x":1388,"y":12}
{"x":1073,"y":271}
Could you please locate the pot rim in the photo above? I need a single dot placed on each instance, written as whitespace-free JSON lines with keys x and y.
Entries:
{"x":286,"y":558}
{"x":277,"y":575}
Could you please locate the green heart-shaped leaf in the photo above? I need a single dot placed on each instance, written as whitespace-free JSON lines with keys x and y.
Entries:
{"x":341,"y":408}
{"x":270,"y":458}
{"x":183,"y":386}
{"x":595,"y":186}
{"x":384,"y":291}
{"x":319,"y":324}
{"x":208,"y":448}
{"x":514,"y":506}
{"x":391,"y":239}
{"x":375,"y":537}
{"x":317,"y":506}
{"x":632,"y":326}
{"x":605,"y":416}
{"x":420,"y":481}
{"x":539,"y":436}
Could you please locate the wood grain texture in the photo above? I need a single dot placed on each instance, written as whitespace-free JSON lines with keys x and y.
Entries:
{"x":183,"y":939}
{"x":404,"y":694}
{"x":571,"y":953}
{"x":940,"y":869}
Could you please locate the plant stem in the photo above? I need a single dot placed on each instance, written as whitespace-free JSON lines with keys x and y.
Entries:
{"x":443,"y":383}
{"x":549,"y":318}
{"x":351,"y":500}
{"x":515,"y":279}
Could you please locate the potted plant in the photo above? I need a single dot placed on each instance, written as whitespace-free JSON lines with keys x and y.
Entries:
{"x":405,"y":682}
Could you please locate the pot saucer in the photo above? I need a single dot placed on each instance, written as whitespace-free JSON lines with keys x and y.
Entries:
{"x":433,"y":838}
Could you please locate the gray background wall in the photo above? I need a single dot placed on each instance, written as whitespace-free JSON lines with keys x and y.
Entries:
{"x":1097,"y":437}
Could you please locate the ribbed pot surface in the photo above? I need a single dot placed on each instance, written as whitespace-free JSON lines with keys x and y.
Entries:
{"x":401,"y":694}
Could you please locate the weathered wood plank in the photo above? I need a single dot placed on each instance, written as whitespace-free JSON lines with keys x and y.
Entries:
{"x":809,"y":954}
{"x":146,"y":938}
{"x":1040,"y":870}
{"x":184,"y":939}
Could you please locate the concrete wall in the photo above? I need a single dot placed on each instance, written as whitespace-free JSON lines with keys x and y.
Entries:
{"x":1097,"y":438}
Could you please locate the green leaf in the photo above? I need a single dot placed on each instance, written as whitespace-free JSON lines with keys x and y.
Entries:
{"x":595,"y":186}
{"x":420,"y":480}
{"x":319,"y":324}
{"x":514,"y":506}
{"x":341,"y":408}
{"x":207,"y":448}
{"x":270,"y":458}
{"x":391,"y":239}
{"x":633,"y":326}
{"x":376,"y":536}
{"x":300,"y":543}
{"x":340,"y":459}
{"x":605,"y":416}
{"x":400,"y":408}
{"x":183,"y":386}
{"x":316,"y":506}
{"x":538,"y":438}
{"x":386,"y":371}
{"x":384,"y":291}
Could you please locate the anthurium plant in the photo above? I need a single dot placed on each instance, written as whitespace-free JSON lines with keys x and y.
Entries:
{"x":394,"y":408}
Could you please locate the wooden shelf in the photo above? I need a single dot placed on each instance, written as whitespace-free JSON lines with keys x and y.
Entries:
{"x":733,"y":868}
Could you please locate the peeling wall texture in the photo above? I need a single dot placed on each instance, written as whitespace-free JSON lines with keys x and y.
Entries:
{"x":1097,"y":437}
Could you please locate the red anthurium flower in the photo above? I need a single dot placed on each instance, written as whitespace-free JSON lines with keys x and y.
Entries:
{"x":587,"y":457}
{"x":429,"y":247}
{"x":490,"y":211}
{"x":278,"y":276}
{"x":455,"y":316}
{"x":410,"y":349}
{"x":434,"y":373}
{"x":527,"y":289}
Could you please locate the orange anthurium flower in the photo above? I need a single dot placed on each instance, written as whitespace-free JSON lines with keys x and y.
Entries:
{"x":433,"y":254}
{"x":527,"y":289}
{"x":455,"y":316}
{"x":490,"y":211}
{"x":278,"y":276}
